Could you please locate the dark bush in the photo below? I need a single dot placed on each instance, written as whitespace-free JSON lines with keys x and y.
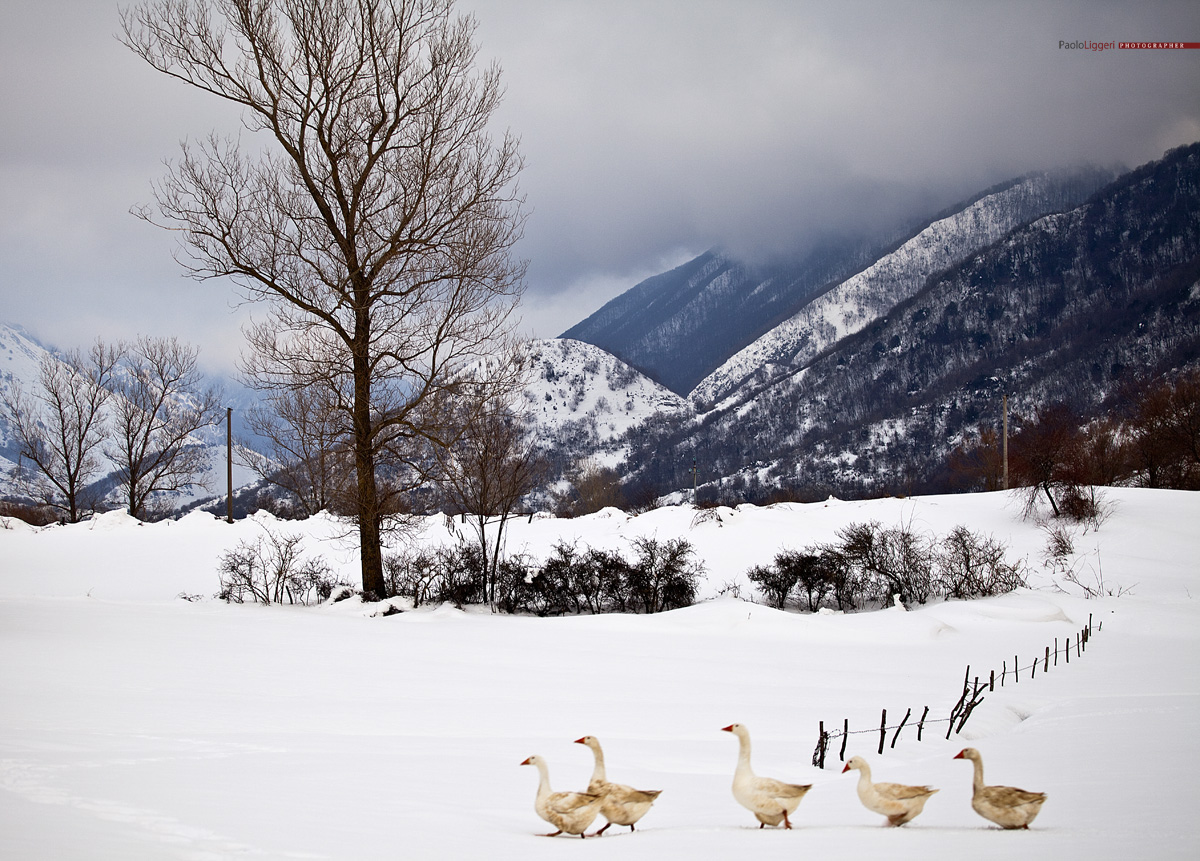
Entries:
{"x":445,"y":574}
{"x":664,"y":576}
{"x":870,"y":564}
{"x":973,"y":566}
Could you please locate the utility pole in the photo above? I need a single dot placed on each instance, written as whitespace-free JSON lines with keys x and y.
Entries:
{"x":229,"y":463}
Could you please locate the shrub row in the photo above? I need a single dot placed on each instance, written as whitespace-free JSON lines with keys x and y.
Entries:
{"x":663,"y":575}
{"x":869,"y":564}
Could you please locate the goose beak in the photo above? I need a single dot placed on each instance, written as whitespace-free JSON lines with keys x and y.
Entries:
{"x":959,"y":755}
{"x":526,"y":762}
{"x":581,"y":740}
{"x":727,"y":728}
{"x":847,"y":768}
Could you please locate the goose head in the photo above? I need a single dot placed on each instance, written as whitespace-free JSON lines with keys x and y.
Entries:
{"x":968,"y":753}
{"x":533,"y":760}
{"x":856,"y":762}
{"x":736,"y":728}
{"x":589,"y":740}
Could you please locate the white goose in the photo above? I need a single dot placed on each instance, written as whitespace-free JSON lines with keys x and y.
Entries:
{"x":623,"y":805}
{"x":899,"y":803}
{"x":771,"y":801}
{"x":1007,"y":806}
{"x":571,"y":812}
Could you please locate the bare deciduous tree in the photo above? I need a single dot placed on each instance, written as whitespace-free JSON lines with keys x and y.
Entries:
{"x":1044,"y":454}
{"x":60,"y":428}
{"x":307,"y":452}
{"x":159,"y":407}
{"x":377,"y":225}
{"x":486,"y":473}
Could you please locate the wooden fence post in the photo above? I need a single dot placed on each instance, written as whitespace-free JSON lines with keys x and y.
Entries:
{"x":907,"y":714}
{"x":1046,"y":665}
{"x":845,"y":735}
{"x":1016,"y":669}
{"x":921,"y":725}
{"x":882,"y":730}
{"x":992,"y":681}
{"x":1056,"y":651}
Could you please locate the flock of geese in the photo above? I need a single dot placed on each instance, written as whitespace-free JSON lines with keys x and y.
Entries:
{"x":771,"y":801}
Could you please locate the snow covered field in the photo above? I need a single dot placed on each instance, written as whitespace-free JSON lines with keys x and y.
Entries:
{"x":135,"y":725}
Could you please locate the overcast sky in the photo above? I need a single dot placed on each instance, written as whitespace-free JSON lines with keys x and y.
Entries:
{"x":652,"y":130}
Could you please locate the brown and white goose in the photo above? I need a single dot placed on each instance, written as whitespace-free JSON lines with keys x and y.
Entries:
{"x":571,"y":812}
{"x":899,"y":803}
{"x":771,"y":801}
{"x":623,"y":805}
{"x":1007,"y":806}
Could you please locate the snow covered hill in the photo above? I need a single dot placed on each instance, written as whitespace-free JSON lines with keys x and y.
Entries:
{"x":138,"y":725}
{"x":578,"y":389}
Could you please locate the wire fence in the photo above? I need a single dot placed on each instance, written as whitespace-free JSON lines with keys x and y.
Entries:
{"x":970,"y":698}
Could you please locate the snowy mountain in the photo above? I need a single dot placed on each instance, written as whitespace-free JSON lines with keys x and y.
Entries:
{"x":853,"y":304}
{"x":1063,"y":309}
{"x":580,"y":397}
{"x":681,"y":326}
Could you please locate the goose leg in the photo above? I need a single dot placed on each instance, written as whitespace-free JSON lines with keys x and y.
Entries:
{"x":555,"y":834}
{"x":602,"y":830}
{"x":787,"y":823}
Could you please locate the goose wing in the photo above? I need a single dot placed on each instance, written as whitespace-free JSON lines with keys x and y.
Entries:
{"x":901,"y":792}
{"x":1010,"y":796}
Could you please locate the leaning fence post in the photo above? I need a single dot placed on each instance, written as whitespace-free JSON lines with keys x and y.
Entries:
{"x":1089,"y":627}
{"x":1046,"y":665}
{"x":992,"y":681}
{"x":907,"y":714}
{"x":1056,"y":651}
{"x":882,"y":730}
{"x":822,"y":742}
{"x":1033,"y":675}
{"x":1003,"y":672}
{"x":845,"y":735}
{"x":921,"y":725}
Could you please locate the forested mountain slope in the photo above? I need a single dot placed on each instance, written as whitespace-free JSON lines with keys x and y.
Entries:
{"x":680,"y":326}
{"x":1064,"y":308}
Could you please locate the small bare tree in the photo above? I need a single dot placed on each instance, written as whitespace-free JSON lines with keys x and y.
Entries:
{"x":1045,"y":455}
{"x":307,"y":448}
{"x":61,"y":427}
{"x":376,"y":225}
{"x":159,"y":407}
{"x":487,"y":472}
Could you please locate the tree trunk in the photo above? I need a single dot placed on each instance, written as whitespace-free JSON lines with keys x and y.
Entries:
{"x":1050,"y":496}
{"x":370,"y":549}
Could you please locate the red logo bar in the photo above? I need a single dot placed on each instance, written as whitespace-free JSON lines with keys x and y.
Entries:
{"x":1157,"y":46}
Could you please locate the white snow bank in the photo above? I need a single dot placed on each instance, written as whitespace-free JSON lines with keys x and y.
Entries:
{"x":137,"y":726}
